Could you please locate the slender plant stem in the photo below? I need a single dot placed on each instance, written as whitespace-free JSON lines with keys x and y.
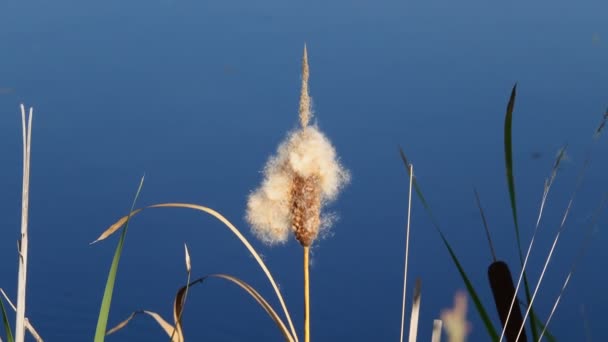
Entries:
{"x":306,"y":295}
{"x":23,"y":242}
{"x":407,"y":249}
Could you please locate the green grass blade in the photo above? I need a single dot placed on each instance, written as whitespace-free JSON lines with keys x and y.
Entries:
{"x":470,"y":289}
{"x":511,"y":185}
{"x":7,"y":325}
{"x":509,"y":162}
{"x":104,"y":311}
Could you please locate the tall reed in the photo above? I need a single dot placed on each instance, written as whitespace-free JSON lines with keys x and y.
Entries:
{"x":23,"y":241}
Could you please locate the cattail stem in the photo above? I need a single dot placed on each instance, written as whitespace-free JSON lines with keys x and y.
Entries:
{"x":306,"y":295}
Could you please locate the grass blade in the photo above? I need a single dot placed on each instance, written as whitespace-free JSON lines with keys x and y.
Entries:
{"x":178,"y":307}
{"x":7,"y":325}
{"x":168,"y":328}
{"x":104,"y":311}
{"x":113,"y":228}
{"x":508,"y":140}
{"x":470,"y":289}
{"x":508,"y":128}
{"x":258,"y":298}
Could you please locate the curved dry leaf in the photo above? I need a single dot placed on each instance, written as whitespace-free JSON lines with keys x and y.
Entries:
{"x":116,"y":226}
{"x":258,"y":298}
{"x":168,"y":328}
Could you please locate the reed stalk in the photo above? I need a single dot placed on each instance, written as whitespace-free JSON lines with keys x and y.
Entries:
{"x":23,"y":241}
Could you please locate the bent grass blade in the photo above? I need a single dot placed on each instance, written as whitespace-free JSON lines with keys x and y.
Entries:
{"x":114,"y":227}
{"x":178,"y":307}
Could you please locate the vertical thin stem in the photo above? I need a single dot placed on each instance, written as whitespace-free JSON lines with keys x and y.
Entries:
{"x":306,"y":295}
{"x":407,"y":246}
{"x":23,"y":242}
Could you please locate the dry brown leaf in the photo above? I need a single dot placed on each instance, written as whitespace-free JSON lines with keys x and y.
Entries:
{"x":256,"y":295}
{"x":116,"y":226}
{"x":168,"y":328}
{"x":122,"y":221}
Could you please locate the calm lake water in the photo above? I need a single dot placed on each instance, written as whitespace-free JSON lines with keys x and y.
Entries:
{"x":198,"y":94}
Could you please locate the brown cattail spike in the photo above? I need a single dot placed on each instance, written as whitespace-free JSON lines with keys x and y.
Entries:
{"x":306,"y":209}
{"x":503,"y":290}
{"x":305,"y":112}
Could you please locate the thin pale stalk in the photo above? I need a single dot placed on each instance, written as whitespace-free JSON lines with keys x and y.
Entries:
{"x":579,"y":182}
{"x":547,"y":188}
{"x":407,"y":244}
{"x":579,"y":256}
{"x":542,"y":274}
{"x":23,"y":242}
{"x":306,"y":295}
{"x":437,"y":326}
{"x":415,"y":312}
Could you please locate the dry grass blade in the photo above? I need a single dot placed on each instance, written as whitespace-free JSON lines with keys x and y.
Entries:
{"x":116,"y":226}
{"x":415,"y":312}
{"x":175,"y":332}
{"x":168,"y":328}
{"x":177,"y":315}
{"x":437,"y":327}
{"x":255,"y":294}
{"x":113,"y":228}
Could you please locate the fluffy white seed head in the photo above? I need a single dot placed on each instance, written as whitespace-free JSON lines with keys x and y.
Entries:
{"x":305,"y":153}
{"x":304,"y":175}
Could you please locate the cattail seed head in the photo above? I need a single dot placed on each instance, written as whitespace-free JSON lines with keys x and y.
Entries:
{"x":304,"y":175}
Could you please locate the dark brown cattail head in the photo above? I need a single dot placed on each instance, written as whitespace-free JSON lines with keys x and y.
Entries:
{"x":503,"y":290}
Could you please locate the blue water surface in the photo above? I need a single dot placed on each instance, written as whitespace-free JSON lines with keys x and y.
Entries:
{"x":198,"y":94}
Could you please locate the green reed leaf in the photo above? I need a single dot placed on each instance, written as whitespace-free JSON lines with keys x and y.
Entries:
{"x":104,"y":311}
